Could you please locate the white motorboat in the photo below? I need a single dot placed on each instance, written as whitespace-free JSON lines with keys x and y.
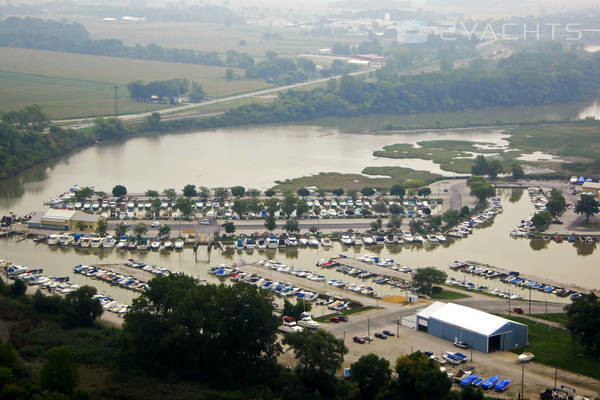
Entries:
{"x":272,"y":243}
{"x":325,"y":242}
{"x":179,"y":244}
{"x":408,"y":238}
{"x":368,"y":240}
{"x":261,"y":243}
{"x":346,"y":240}
{"x":65,"y":240}
{"x":109,"y":242}
{"x":249,"y":243}
{"x":143,"y":244}
{"x":391,"y":239}
{"x":155,"y":245}
{"x":96,"y":242}
{"x":357,"y":240}
{"x":306,"y":321}
{"x":52,"y":239}
{"x":86,"y":241}
{"x":122,"y":244}
{"x":291,"y":241}
{"x":289,"y":326}
{"x":303,"y":241}
{"x":313,"y":242}
{"x":418,"y":238}
{"x":169,"y":244}
{"x":526,"y":357}
{"x":441,"y":238}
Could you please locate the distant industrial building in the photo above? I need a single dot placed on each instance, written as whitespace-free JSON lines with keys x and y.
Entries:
{"x":64,"y":220}
{"x":481,"y":331}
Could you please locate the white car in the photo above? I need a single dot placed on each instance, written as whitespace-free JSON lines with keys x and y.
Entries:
{"x":155,"y":224}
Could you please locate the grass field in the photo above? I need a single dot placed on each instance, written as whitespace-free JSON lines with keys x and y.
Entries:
{"x":75,"y":85}
{"x":553,"y":346}
{"x":333,"y":180}
{"x":448,"y":295}
{"x":559,"y":318}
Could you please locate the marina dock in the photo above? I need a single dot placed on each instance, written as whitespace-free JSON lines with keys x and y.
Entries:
{"x":376,"y":269}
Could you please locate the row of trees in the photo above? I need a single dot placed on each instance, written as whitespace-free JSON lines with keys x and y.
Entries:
{"x":169,"y":89}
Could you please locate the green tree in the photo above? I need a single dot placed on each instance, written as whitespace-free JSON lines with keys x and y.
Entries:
{"x":451,"y":218}
{"x":81,"y":308}
{"x":319,"y":352}
{"x":372,"y":374}
{"x":238,"y":191}
{"x":419,"y":378}
{"x":301,"y":208}
{"x":303,"y":192}
{"x":471,"y":393}
{"x":584,"y":321}
{"x":380,"y":207}
{"x":494,"y":168}
{"x":272,"y":205}
{"x":424,"y":192}
{"x":395,"y":209}
{"x":6,"y":376}
{"x":541,"y":220}
{"x":173,"y":329}
{"x":189,"y":190}
{"x":184,"y":204}
{"x":170,"y":194}
{"x":425,"y":278}
{"x":155,"y":206}
{"x":204,"y":192}
{"x":253,"y":192}
{"x":59,"y":372}
{"x":154,"y":121}
{"x":254,"y":205}
{"x":229,"y":74}
{"x":291,"y":225}
{"x":221,"y":192}
{"x":269,"y":193}
{"x":270,"y":223}
{"x":197,"y":93}
{"x":464,"y":212}
{"x":8,"y":355}
{"x":119,"y":191}
{"x":17,"y":288}
{"x":46,"y":395}
{"x":101,"y":227}
{"x":480,"y":167}
{"x":164,"y":230}
{"x":229,"y":227}
{"x":394,"y":222}
{"x":81,"y":226}
{"x":84,"y":193}
{"x":367,"y":191}
{"x":482,"y":191}
{"x":338,"y":191}
{"x":398,"y":190}
{"x":240,"y":206}
{"x":289,"y":204}
{"x":377,"y":224}
{"x":120,"y":229}
{"x":587,"y":205}
{"x":295,"y":310}
{"x":556,"y":204}
{"x":517,"y":172}
{"x":152,"y":193}
{"x":140,"y":229}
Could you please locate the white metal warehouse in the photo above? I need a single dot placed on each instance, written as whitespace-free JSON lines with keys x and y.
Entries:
{"x":480,"y":330}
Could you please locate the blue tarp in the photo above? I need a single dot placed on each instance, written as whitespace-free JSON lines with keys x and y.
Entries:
{"x":263,"y":213}
{"x":77,"y":236}
{"x":581,"y":179}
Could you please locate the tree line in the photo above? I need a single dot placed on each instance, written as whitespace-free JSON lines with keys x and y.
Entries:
{"x":169,"y":89}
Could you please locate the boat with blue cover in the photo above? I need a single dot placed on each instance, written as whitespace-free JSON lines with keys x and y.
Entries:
{"x":502,"y":385}
{"x":468,"y":380}
{"x":489,"y":382}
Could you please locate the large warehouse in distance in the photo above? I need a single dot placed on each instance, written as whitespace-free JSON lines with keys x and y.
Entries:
{"x":482,"y":331}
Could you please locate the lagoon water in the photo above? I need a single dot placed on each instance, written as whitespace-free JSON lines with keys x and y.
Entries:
{"x":257,"y":157}
{"x":561,"y":262}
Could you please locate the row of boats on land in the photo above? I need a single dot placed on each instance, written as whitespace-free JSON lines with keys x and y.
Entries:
{"x":109,"y":242}
{"x":56,"y":285}
{"x":512,"y":277}
{"x":111,"y":277}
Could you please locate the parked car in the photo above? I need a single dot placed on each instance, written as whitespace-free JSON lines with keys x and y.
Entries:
{"x":388,"y":333}
{"x":358,"y":339}
{"x":155,"y":224}
{"x":380,"y":335}
{"x":335,"y":319}
{"x":368,"y":338}
{"x":518,"y":310}
{"x":342,"y":318}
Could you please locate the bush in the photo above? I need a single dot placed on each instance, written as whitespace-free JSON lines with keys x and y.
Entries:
{"x":17,"y":289}
{"x":436,"y":289}
{"x":46,"y":304}
{"x":59,"y":372}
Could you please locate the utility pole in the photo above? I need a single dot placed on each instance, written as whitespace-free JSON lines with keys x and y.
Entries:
{"x":116,"y":101}
{"x":509,"y":304}
{"x":522,"y":381}
{"x":529,"y":300}
{"x":555,"y":376}
{"x":369,"y":328}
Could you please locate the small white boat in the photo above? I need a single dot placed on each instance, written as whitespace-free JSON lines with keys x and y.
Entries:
{"x":249,"y":243}
{"x":122,"y":244}
{"x":86,"y":241}
{"x":368,"y":240}
{"x":52,"y":239}
{"x":96,"y":242}
{"x":289,"y":326}
{"x":291,"y":241}
{"x":441,"y":238}
{"x":306,"y":321}
{"x":65,"y":240}
{"x":408,"y":238}
{"x":155,"y":245}
{"x":109,"y":242}
{"x":526,"y":357}
{"x":346,"y":240}
{"x":261,"y":244}
{"x":179,"y":244}
{"x":313,"y":242}
{"x":391,"y":239}
{"x":169,"y":244}
{"x":303,"y":241}
{"x":325,"y":242}
{"x":272,"y":243}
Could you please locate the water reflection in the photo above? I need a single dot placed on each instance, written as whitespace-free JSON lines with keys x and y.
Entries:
{"x":515,"y":195}
{"x":538,"y":244}
{"x":584,"y":248}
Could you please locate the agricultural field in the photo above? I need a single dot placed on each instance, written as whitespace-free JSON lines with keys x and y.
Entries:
{"x":75,"y":85}
{"x":211,"y":37}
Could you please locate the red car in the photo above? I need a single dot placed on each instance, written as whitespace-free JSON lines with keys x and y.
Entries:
{"x":518,"y":310}
{"x":358,"y":340}
{"x":335,"y":319}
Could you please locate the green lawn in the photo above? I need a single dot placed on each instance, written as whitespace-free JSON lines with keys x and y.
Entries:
{"x":553,"y":346}
{"x":325,"y":318}
{"x":560,"y":318}
{"x":448,"y":295}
